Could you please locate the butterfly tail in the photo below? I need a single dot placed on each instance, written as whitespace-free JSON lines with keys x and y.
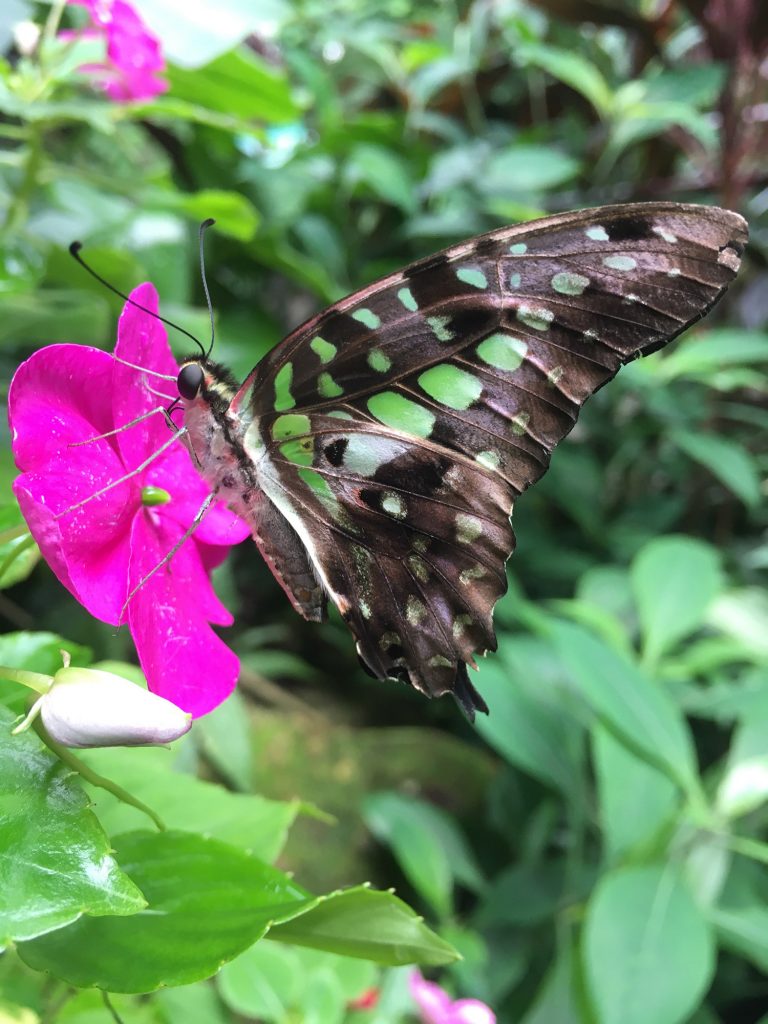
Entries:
{"x":467,"y":697}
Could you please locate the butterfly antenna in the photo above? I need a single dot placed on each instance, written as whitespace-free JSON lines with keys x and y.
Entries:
{"x":74,"y":252}
{"x":203,"y":228}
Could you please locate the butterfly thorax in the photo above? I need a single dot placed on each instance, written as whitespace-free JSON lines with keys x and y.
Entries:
{"x":226,"y":445}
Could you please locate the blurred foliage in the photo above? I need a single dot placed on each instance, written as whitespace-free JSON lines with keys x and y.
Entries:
{"x":596,"y":849}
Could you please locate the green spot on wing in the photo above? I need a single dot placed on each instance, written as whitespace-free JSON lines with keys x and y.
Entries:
{"x":570,"y":284}
{"x":537,"y":317}
{"x":405,"y":295}
{"x":401,"y":413}
{"x":473,"y":276}
{"x":318,"y":483}
{"x":293,"y":424}
{"x":328,"y":387}
{"x":597,"y":233}
{"x":323,"y":349}
{"x":503,"y":351}
{"x":439,"y":325}
{"x":367,"y":317}
{"x":518,"y":248}
{"x":283,"y":380}
{"x":514,"y":280}
{"x":619,"y":262}
{"x":298,"y":451}
{"x":451,"y":385}
{"x":379,"y":361}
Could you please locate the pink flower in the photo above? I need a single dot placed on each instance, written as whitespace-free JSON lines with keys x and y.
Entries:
{"x":67,"y":394}
{"x":437,"y":1007}
{"x":133,"y":55}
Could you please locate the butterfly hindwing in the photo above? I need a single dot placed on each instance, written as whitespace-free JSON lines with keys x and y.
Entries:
{"x":440,"y":392}
{"x":409,"y":539}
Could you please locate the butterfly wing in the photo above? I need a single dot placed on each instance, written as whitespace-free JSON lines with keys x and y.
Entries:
{"x":473,"y":364}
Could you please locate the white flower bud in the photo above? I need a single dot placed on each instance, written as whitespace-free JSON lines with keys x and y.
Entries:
{"x":89,"y":708}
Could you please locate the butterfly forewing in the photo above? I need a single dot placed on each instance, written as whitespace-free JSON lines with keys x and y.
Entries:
{"x":435,"y":396}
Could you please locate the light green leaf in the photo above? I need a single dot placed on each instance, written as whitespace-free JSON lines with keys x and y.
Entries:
{"x":527,"y":168}
{"x":636,"y":800}
{"x":744,"y":785}
{"x":649,"y":953}
{"x":248,"y":821}
{"x":701,"y":355}
{"x":365,"y":923}
{"x":528,"y":726}
{"x":235,"y":215}
{"x":743,"y":615}
{"x":633,"y":706}
{"x":55,"y":860}
{"x":729,"y":461}
{"x":674,"y":580}
{"x":224,"y":736}
{"x":570,"y":67}
{"x":427,"y":843}
{"x":385,"y":173}
{"x":262,"y":982}
{"x":237,"y":84}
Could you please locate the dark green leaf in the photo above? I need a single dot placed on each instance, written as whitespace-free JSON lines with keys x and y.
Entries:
{"x":207,"y":902}
{"x":55,"y":860}
{"x":730,"y":462}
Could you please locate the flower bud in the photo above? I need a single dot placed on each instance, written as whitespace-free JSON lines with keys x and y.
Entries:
{"x":89,"y":708}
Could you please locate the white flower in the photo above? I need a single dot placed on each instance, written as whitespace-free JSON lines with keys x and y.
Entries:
{"x":90,"y":708}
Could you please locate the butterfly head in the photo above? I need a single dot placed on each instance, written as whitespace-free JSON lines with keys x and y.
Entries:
{"x":201,"y":380}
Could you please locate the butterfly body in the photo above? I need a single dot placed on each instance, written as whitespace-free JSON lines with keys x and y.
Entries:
{"x":378,"y":450}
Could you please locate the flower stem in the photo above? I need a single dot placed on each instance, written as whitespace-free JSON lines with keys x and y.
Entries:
{"x":34,"y":680}
{"x":89,"y":775}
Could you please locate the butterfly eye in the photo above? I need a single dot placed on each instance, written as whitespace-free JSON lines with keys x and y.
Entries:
{"x":190,"y":380}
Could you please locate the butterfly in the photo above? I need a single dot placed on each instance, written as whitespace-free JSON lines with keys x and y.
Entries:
{"x":377,"y":451}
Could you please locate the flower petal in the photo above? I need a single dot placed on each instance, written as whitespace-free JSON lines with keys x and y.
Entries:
{"x":472,"y":1011}
{"x":87,"y":548}
{"x":90,"y":708}
{"x":142,"y":341}
{"x":182,"y":658}
{"x":61,"y":395}
{"x":434,"y":1004}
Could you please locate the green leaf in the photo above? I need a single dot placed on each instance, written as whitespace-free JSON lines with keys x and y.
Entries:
{"x":648,"y":951}
{"x":570,"y":67}
{"x":262,"y":982}
{"x":40,"y":652}
{"x":385,"y":173}
{"x":225,"y":739}
{"x":207,"y":902}
{"x":190,"y":1004}
{"x":184,"y":802}
{"x":528,"y":726}
{"x":557,"y":1000}
{"x":55,"y":860}
{"x":18,"y":552}
{"x":427,"y":843}
{"x":729,"y":461}
{"x":744,"y":785}
{"x":674,"y":580}
{"x":238,"y":84}
{"x":636,"y":800}
{"x":235,"y":215}
{"x":362,"y":922}
{"x":633,"y":706}
{"x":527,"y":168}
{"x":703,"y":355}
{"x":743,"y":615}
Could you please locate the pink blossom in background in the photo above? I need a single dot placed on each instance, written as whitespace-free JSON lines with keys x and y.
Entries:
{"x":437,"y":1007}
{"x":66,"y":394}
{"x":133,"y":55}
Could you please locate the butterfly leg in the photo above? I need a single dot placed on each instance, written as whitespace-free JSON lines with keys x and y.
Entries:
{"x":121,"y":480}
{"x":199,"y":516}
